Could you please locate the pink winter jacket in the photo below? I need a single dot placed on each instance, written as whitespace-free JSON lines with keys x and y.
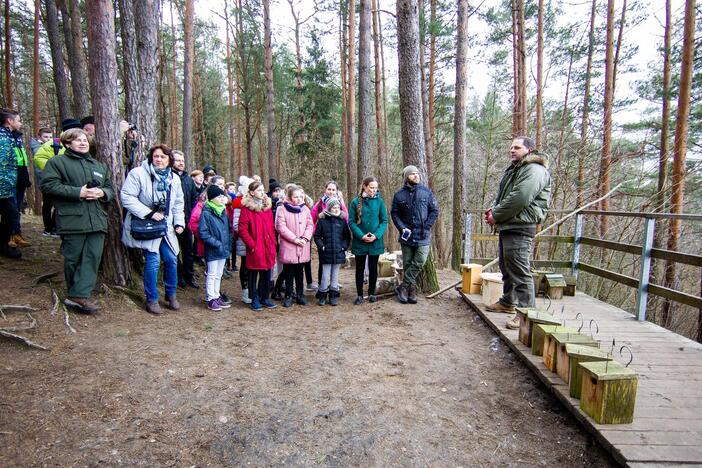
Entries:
{"x":290,"y":226}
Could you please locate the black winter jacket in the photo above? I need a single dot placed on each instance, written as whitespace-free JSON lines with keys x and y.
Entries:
{"x":214,"y":232}
{"x":189,"y":193}
{"x":414,"y":207}
{"x":332,"y":237}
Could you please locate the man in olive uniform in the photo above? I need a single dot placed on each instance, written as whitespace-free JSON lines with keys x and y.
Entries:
{"x":521,"y":203}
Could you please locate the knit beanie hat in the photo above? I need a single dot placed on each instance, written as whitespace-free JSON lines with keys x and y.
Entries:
{"x":332,"y":202}
{"x":67,"y":124}
{"x":408,"y":170}
{"x":214,"y":191}
{"x":244,"y":183}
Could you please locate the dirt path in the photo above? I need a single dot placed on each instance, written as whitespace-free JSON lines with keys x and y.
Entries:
{"x":378,"y":384}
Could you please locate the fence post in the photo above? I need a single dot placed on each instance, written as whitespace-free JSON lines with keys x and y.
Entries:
{"x":577,"y":235}
{"x":642,"y":294}
{"x":466,"y":238}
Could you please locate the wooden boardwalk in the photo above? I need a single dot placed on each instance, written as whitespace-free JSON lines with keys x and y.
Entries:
{"x":667,"y":427}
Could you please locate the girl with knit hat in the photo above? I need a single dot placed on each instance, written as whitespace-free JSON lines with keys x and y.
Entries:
{"x":332,"y":237}
{"x":215,"y":234}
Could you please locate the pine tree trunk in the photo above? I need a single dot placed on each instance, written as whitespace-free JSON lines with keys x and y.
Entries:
{"x":300,"y":134}
{"x":230,"y":98}
{"x":58,"y":65}
{"x":103,"y":80}
{"x":343,"y":46}
{"x":364,"y":81}
{"x":77,"y":61}
{"x":459,"y":133}
{"x":173,"y":95}
{"x":618,"y":47}
{"x":270,"y":108}
{"x":379,"y":73}
{"x":9,"y":100}
{"x":582,"y":147}
{"x":147,"y":14}
{"x":677,"y":190}
{"x":606,"y":156}
{"x":36,"y":95}
{"x":129,"y":61}
{"x":540,"y":75}
{"x":189,"y":51}
{"x":519,"y":65}
{"x":411,"y":120}
{"x":351,"y":99}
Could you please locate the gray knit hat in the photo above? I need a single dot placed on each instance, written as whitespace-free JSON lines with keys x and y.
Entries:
{"x":408,"y":170}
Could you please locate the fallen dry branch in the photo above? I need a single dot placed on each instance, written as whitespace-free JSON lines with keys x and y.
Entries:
{"x":32,"y":324}
{"x":55,"y":307}
{"x":44,"y":278}
{"x":21,"y":339}
{"x":16,"y":308}
{"x":137,"y":298}
{"x":66,"y":321}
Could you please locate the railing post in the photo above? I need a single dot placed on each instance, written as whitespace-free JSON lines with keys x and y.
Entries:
{"x":467,"y":252}
{"x":577,"y":235}
{"x":642,"y":294}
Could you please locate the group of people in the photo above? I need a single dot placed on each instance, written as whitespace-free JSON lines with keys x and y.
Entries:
{"x":175,"y":217}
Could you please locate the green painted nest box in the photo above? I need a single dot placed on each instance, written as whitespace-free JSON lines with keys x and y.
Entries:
{"x":577,"y":354}
{"x":539,"y":333}
{"x":608,"y":392}
{"x":553,"y":285}
{"x":538,"y":276}
{"x":528,"y":317}
{"x":554,"y":349}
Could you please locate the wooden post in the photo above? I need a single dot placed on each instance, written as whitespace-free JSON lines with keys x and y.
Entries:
{"x":578,"y":234}
{"x":466,"y":239}
{"x":642,"y":294}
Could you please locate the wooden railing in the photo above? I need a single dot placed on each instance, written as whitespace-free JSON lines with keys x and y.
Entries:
{"x":645,"y":251}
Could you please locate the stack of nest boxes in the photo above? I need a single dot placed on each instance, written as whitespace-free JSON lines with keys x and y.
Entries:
{"x":389,"y":271}
{"x":606,"y":389}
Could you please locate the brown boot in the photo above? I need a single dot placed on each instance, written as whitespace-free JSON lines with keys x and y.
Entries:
{"x":153,"y":308}
{"x":412,"y":294}
{"x":401,"y":291}
{"x":513,"y":324}
{"x":18,"y":241}
{"x":172,"y":303}
{"x":500,"y":307}
{"x":81,"y":304}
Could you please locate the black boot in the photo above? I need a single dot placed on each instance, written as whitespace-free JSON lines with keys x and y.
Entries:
{"x":401,"y":291}
{"x":333,"y":297}
{"x":412,"y":294}
{"x":300,"y":299}
{"x":321,"y":298}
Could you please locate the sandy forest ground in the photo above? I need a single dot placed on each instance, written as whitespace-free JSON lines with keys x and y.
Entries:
{"x":377,"y":384}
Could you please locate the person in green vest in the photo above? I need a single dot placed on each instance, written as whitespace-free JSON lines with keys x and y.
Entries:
{"x":45,"y":151}
{"x":368,"y":220}
{"x":81,"y":189}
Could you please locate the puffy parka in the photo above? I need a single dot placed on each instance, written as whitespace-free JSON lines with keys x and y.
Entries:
{"x":292,"y":222}
{"x":332,"y":237}
{"x":414,"y":207}
{"x":214,"y":232}
{"x":257,"y":232}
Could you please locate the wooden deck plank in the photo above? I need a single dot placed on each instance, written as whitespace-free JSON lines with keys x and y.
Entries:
{"x":667,"y":427}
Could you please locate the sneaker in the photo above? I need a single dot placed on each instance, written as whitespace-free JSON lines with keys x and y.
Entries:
{"x":223,"y":304}
{"x":268,"y":304}
{"x":225,"y":299}
{"x":300,"y":299}
{"x":287,"y":302}
{"x":214,"y":304}
{"x":358,"y":301}
{"x":153,"y":308}
{"x":401,"y":291}
{"x":82,"y":304}
{"x":245,"y":296}
{"x":412,"y":294}
{"x":500,"y":307}
{"x":46,"y":234}
{"x":313,"y":286}
{"x":513,"y":324}
{"x":255,"y":305}
{"x":372,"y":298}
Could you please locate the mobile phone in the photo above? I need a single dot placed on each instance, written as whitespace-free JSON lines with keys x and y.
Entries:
{"x":406,"y":233}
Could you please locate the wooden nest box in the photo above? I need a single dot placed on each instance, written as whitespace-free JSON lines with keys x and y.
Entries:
{"x":553,"y":285}
{"x":608,"y":392}
{"x":538,"y":276}
{"x":539,"y":333}
{"x":528,"y":317}
{"x":571,"y":282}
{"x":577,"y":354}
{"x":554,"y":349}
{"x":471,"y":278}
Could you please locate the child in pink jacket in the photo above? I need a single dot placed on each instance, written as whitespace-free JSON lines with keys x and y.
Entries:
{"x":293,"y":222}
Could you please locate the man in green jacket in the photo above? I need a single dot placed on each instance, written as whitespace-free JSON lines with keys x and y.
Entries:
{"x":521,"y":204}
{"x":80,"y":188}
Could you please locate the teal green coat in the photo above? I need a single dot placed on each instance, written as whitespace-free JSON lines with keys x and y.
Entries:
{"x":63,"y":178}
{"x":374,"y":219}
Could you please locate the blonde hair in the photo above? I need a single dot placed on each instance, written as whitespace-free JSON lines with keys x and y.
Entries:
{"x":72,"y":134}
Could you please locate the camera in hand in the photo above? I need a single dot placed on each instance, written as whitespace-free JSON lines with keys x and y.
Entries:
{"x":159,"y":207}
{"x":93,"y":184}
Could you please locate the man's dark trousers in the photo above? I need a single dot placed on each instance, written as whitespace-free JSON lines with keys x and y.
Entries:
{"x":82,"y":254}
{"x":8,"y":218}
{"x":186,"y":267}
{"x":518,"y":285}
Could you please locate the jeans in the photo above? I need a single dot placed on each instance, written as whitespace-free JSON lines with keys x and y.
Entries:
{"x":330,"y":278}
{"x":372,"y":273}
{"x":170,"y":271}
{"x":213,"y":278}
{"x":413,"y":260}
{"x":293,"y":271}
{"x":259,"y":284}
{"x":518,"y":284}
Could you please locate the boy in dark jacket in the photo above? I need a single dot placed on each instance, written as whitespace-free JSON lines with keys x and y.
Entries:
{"x":216,"y":236}
{"x":332,"y":237}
